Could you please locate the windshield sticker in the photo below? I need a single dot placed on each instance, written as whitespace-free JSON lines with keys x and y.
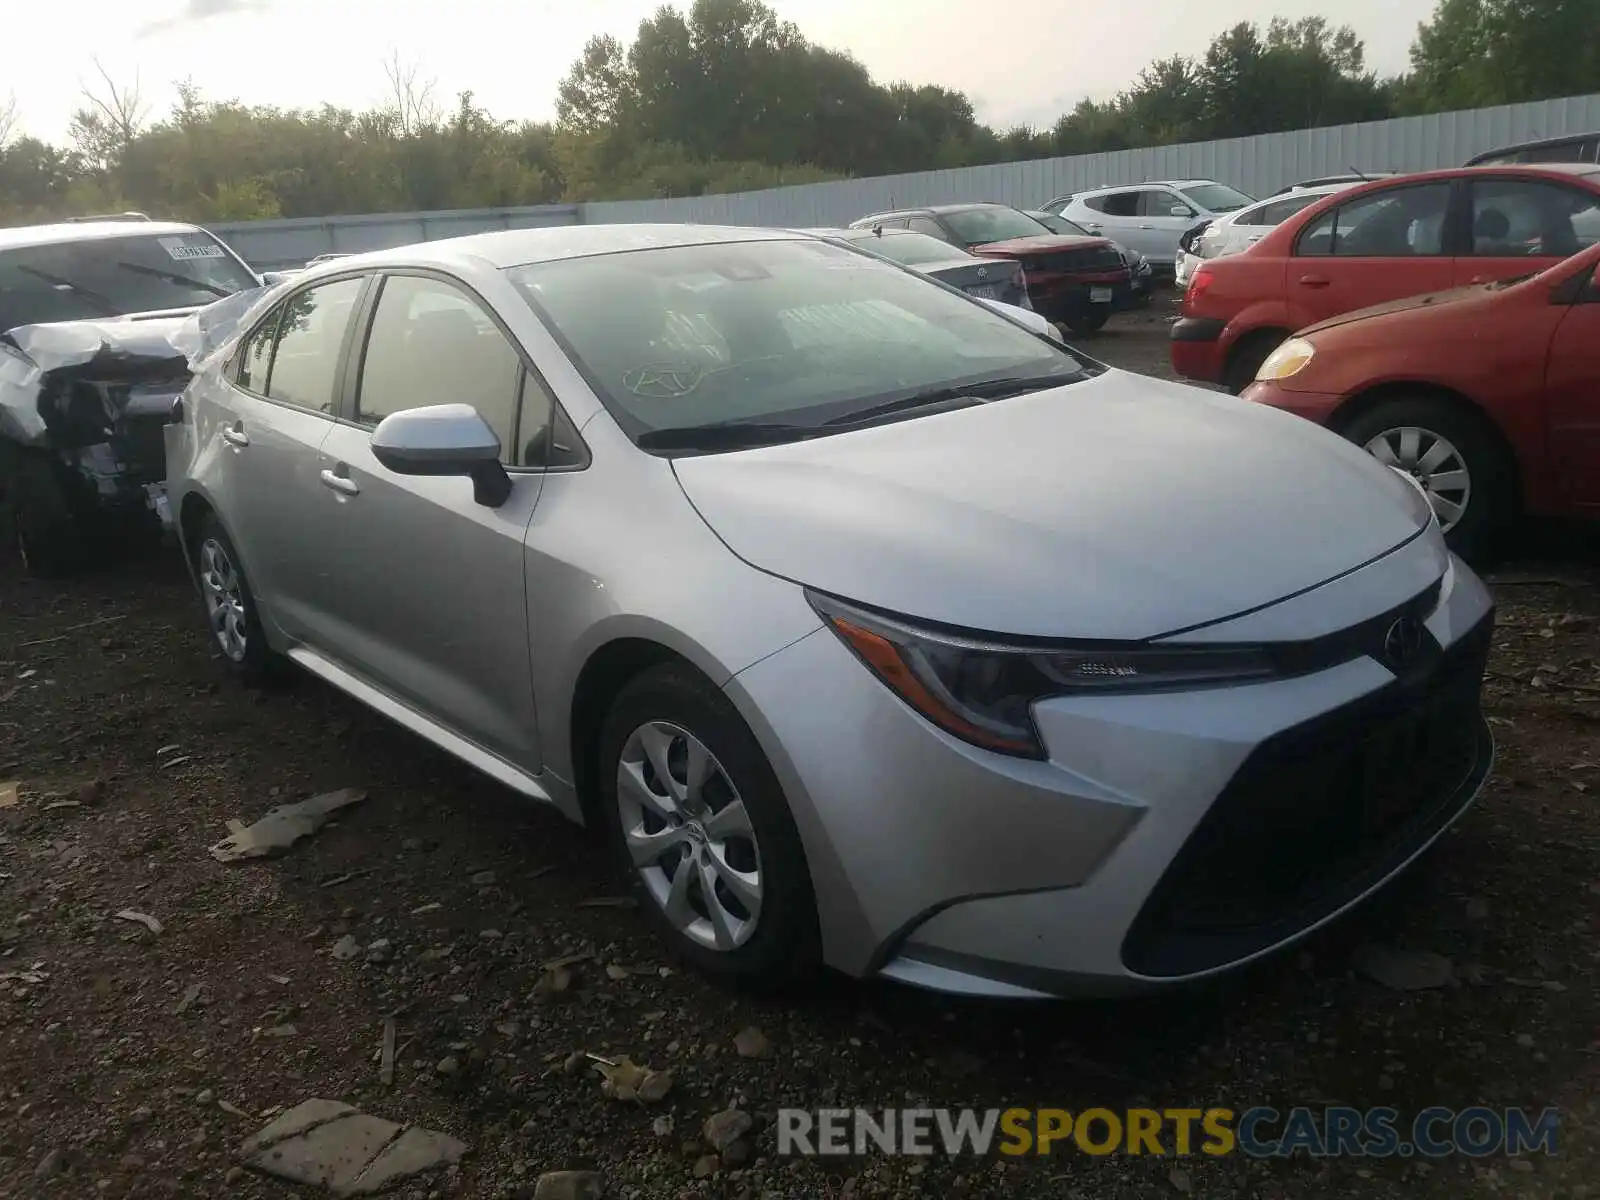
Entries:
{"x":179,"y":250}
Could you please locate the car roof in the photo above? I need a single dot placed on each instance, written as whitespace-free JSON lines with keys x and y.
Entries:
{"x":88,"y":231}
{"x":523,"y":247}
{"x":1535,"y":144}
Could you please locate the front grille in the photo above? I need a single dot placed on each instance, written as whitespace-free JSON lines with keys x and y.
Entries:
{"x":1089,"y":258}
{"x":1318,"y":814}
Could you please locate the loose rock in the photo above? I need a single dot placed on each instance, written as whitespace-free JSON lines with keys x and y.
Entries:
{"x":752,"y":1043}
{"x":1403,"y":970}
{"x":722,"y":1129}
{"x":569,"y":1185}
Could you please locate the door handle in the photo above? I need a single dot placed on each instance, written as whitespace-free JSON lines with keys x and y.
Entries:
{"x":1479,"y":279}
{"x":1147,"y":227}
{"x":236,"y":436}
{"x":1091,"y":225}
{"x":1254,"y":238}
{"x":1318,"y":281}
{"x":342,"y":484}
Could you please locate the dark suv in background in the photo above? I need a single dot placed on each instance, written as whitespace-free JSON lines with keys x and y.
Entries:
{"x":1574,"y":147}
{"x":1074,"y":281}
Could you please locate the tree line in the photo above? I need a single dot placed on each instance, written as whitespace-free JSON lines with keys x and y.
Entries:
{"x":728,"y":97}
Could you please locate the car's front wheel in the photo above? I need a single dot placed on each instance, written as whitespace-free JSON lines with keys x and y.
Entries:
{"x":1454,"y":457}
{"x":699,"y":822}
{"x":48,"y":539}
{"x":230,"y":605}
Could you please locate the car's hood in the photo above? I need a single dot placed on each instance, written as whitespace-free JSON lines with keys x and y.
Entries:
{"x":1120,"y":507}
{"x":1047,"y":243}
{"x":1426,"y":301}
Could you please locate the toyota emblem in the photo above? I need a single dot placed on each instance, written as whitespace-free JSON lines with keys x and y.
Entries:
{"x":983,"y":272}
{"x":1402,"y":642}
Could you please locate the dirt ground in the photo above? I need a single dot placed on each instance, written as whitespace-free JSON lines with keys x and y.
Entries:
{"x":132,"y":1063}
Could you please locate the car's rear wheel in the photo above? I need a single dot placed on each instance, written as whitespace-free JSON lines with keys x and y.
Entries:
{"x":1458,"y":461}
{"x":1085,"y":320}
{"x":699,"y":822}
{"x":231,"y":616}
{"x":1247,"y":357}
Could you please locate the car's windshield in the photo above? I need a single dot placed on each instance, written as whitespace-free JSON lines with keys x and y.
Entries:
{"x":792,"y":332}
{"x":909,"y":249}
{"x":112,"y":277}
{"x":1216,"y":197}
{"x":1059,"y":224}
{"x":992,"y":223}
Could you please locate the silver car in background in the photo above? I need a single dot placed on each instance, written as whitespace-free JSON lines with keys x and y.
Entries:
{"x":1150,"y":217}
{"x":872,"y":628}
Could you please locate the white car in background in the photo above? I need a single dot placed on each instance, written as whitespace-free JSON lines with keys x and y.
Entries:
{"x":1236,"y":231}
{"x":1150,"y":217}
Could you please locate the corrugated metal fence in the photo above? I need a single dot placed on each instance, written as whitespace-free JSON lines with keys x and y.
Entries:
{"x":1258,"y":165}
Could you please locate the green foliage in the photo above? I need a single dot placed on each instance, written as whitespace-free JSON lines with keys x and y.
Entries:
{"x":726,"y":96}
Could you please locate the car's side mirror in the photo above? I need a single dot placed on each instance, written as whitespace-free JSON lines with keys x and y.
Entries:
{"x":444,"y":439}
{"x":269,"y":278}
{"x":1182,"y":210}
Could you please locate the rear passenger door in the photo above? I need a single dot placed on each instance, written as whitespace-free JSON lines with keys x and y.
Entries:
{"x":1115,"y":215}
{"x":426,"y":586}
{"x":267,"y":430}
{"x":1376,"y":247}
{"x":1523,"y":225}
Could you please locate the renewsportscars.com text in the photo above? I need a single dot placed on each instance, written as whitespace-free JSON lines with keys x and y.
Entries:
{"x":1259,"y":1132}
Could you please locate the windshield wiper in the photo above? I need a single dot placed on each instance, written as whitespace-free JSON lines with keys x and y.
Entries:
{"x":957,"y":396}
{"x":105,"y":303}
{"x":723,"y":435}
{"x":176,"y":277}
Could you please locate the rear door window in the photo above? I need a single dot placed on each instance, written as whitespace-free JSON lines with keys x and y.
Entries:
{"x":1115,"y":204}
{"x":1514,"y":218}
{"x":307,"y":342}
{"x":1404,"y":222}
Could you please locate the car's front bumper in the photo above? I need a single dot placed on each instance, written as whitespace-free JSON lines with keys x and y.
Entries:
{"x":1313,"y":406}
{"x":946,"y":866}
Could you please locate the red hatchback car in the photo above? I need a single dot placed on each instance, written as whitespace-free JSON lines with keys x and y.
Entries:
{"x":1375,"y":243}
{"x":1487,"y":396}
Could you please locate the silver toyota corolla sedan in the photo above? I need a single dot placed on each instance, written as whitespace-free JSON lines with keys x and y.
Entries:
{"x":873,"y":628}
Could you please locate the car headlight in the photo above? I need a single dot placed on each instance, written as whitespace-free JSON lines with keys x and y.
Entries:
{"x":1289,"y":359}
{"x":983,"y":691}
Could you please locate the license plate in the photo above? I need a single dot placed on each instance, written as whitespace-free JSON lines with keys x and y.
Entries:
{"x":1099,"y":295}
{"x":984,"y":291}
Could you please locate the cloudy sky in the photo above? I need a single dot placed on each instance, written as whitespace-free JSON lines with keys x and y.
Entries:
{"x":1019,"y":60}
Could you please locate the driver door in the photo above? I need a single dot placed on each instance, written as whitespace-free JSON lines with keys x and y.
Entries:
{"x":426,"y":588}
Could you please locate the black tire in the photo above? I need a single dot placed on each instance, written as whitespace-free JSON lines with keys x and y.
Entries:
{"x":784,"y":947}
{"x":1491,"y":502}
{"x":257,"y":662}
{"x":48,"y":538}
{"x":1086,"y":320}
{"x":1248,"y":356}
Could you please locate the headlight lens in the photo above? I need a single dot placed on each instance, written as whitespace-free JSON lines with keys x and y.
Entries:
{"x":1288,"y":360}
{"x":983,"y":692}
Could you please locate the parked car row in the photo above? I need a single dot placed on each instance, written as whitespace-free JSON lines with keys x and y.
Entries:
{"x":1448,"y":322}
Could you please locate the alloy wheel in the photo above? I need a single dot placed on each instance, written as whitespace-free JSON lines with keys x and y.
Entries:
{"x":224,"y":596}
{"x":689,"y":836}
{"x":1434,"y":462}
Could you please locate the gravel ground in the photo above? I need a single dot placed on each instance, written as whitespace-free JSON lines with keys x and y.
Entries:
{"x":133,"y":1062}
